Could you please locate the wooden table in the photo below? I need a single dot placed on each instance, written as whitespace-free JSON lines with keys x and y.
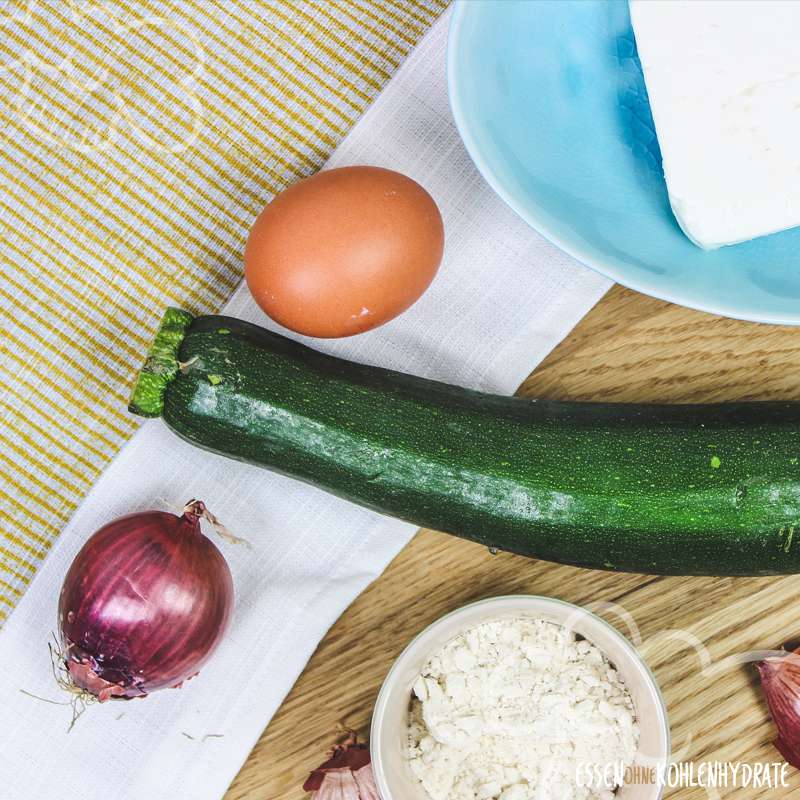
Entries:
{"x":629,"y":348}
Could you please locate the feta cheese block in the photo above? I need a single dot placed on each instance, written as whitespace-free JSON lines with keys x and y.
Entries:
{"x":723,"y":78}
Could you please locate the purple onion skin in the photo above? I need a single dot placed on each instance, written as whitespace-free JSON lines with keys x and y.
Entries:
{"x":144,"y":604}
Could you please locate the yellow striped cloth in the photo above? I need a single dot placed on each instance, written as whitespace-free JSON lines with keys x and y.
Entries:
{"x":139,"y":140}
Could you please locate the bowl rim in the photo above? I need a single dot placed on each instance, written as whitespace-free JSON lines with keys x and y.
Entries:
{"x":378,"y":714}
{"x":595,"y":262}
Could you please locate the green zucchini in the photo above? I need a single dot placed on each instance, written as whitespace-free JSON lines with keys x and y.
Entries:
{"x":666,"y":489}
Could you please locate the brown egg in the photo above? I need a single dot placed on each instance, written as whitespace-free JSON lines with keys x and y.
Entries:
{"x":344,"y":251}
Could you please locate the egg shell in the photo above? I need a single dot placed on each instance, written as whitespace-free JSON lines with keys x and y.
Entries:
{"x":344,"y":251}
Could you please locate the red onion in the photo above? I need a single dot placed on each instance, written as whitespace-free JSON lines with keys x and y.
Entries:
{"x":144,"y":604}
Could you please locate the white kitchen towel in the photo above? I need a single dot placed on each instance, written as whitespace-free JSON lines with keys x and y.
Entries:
{"x":503,"y":299}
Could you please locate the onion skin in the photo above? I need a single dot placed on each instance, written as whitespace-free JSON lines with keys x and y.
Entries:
{"x":144,"y":604}
{"x":780,"y":681}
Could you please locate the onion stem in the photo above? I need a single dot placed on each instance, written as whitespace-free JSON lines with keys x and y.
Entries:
{"x":198,"y":508}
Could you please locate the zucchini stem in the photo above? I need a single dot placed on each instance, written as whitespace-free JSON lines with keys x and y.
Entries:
{"x":161,"y":365}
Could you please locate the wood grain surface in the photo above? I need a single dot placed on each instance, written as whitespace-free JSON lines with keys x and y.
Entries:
{"x":630,"y":348}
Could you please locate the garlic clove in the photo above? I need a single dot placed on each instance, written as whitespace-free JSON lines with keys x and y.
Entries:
{"x":366,"y":783}
{"x":780,"y":681}
{"x":338,"y":784}
{"x":346,"y":775}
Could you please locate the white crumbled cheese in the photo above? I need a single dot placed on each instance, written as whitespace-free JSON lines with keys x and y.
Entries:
{"x":511,"y":709}
{"x":723,"y":79}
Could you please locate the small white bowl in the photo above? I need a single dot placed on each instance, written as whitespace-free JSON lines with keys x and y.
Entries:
{"x":388,"y":737}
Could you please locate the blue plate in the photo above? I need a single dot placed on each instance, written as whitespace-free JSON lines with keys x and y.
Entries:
{"x":550,"y":101}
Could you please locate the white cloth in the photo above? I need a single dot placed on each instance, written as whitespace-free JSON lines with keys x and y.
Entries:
{"x":503,"y":299}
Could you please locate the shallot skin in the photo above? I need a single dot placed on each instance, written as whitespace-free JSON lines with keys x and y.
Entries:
{"x":144,"y":604}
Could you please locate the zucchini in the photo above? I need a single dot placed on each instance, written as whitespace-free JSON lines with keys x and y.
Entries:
{"x":665,"y":489}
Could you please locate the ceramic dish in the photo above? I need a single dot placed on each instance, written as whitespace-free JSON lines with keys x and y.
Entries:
{"x":550,"y":101}
{"x":388,"y":740}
